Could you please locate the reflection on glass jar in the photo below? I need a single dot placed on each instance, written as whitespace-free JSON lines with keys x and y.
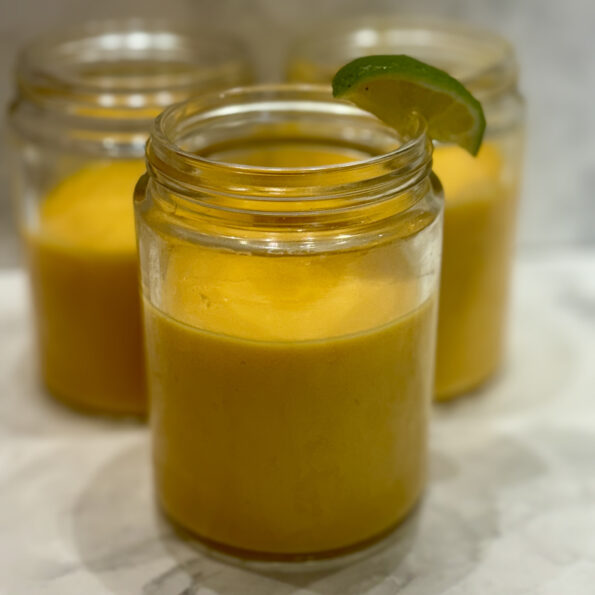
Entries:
{"x":480,"y":194}
{"x":85,"y":101}
{"x":290,"y":253}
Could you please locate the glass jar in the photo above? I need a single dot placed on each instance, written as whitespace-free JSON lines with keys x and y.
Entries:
{"x":290,"y":252}
{"x":85,"y":101}
{"x":480,"y":193}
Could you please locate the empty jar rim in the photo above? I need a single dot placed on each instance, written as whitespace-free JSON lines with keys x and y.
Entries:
{"x":127,"y":68}
{"x":482,"y":60}
{"x":178,"y":147}
{"x":201,"y":192}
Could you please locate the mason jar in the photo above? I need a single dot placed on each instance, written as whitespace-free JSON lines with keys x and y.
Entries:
{"x":290,"y":251}
{"x":480,"y":193}
{"x":85,"y":100}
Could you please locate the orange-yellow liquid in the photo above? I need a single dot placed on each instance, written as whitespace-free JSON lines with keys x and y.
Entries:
{"x":83,"y":267}
{"x":479,"y":226}
{"x":289,"y":394}
{"x":268,"y":441}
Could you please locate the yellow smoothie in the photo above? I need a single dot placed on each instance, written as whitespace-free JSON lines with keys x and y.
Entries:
{"x":479,"y":227}
{"x":83,"y":265}
{"x":289,"y":403}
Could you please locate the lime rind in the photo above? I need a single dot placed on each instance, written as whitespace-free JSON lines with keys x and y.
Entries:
{"x":429,"y":91}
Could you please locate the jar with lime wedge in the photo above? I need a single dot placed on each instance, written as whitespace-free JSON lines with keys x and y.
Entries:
{"x":290,"y":251}
{"x":290,"y":255}
{"x":480,"y":190}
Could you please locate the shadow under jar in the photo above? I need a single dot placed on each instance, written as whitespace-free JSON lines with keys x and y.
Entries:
{"x":480,"y":193}
{"x":290,"y":254}
{"x":86,"y":99}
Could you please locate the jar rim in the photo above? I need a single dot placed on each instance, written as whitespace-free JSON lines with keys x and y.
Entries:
{"x":412,"y":153}
{"x":270,"y":208}
{"x":131,"y":67}
{"x":482,"y":60}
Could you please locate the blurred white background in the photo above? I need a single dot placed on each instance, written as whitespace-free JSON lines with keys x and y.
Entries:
{"x":554,"y":42}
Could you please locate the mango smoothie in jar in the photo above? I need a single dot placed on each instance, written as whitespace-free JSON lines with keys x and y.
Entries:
{"x":85,"y":101}
{"x":290,"y":250}
{"x":481,"y":192}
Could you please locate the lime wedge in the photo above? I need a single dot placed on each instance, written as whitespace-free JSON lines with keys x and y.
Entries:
{"x":394,"y":87}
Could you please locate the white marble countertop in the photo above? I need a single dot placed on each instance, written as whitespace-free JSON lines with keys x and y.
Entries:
{"x":510,"y":508}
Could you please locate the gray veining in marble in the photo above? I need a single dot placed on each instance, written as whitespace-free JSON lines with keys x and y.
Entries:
{"x":509,"y":510}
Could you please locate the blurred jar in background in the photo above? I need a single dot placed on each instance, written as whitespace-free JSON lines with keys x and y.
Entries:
{"x":85,"y":100}
{"x":480,"y":193}
{"x":290,"y":254}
